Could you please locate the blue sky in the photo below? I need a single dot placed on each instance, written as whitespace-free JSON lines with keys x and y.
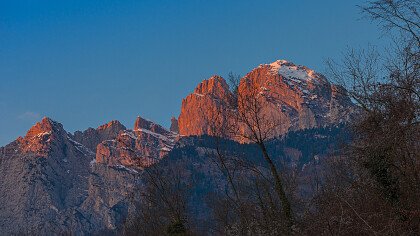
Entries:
{"x":84,"y":63}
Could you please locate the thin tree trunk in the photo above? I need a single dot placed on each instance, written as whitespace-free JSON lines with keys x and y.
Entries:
{"x":287,"y":210}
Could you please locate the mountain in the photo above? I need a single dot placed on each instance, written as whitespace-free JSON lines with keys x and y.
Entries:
{"x":296,"y":95}
{"x":141,"y":147}
{"x":52,"y":183}
{"x":90,"y":138}
{"x":43,"y":178}
{"x":55,"y":182}
{"x":198,"y":109}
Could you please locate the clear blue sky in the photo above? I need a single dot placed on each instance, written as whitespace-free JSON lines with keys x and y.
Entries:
{"x":84,"y":63}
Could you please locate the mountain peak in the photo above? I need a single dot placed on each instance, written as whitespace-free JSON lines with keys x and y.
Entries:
{"x":91,"y":137}
{"x":39,"y":137}
{"x":174,"y":125}
{"x":142,"y":123}
{"x":296,"y":73}
{"x":280,"y":62}
{"x":147,"y":143}
{"x":45,"y":126}
{"x":114,"y":124}
{"x":215,"y":85}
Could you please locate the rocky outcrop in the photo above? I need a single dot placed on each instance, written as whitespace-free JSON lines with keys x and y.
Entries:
{"x":174,"y":125}
{"x":146,"y":144}
{"x":208,"y":103}
{"x":90,"y":138}
{"x":293,"y":96}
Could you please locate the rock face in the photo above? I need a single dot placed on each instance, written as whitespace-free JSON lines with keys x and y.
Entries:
{"x":174,"y":125}
{"x":90,"y":138}
{"x":141,"y":147}
{"x":200,"y":109}
{"x":43,"y":178}
{"x":47,"y":138}
{"x":51,"y":186}
{"x":107,"y":204}
{"x":296,"y":96}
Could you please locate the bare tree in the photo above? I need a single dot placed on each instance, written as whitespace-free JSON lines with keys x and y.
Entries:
{"x":248,"y":122}
{"x":251,"y":195}
{"x":260,"y":126}
{"x":402,"y":15}
{"x":377,"y":188}
{"x":162,"y":204}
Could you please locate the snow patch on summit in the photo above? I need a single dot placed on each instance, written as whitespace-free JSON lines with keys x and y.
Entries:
{"x":298,"y":74}
{"x":297,"y":77}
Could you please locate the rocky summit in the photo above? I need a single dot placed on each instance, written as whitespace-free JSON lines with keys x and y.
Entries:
{"x":55,"y":182}
{"x":198,"y":109}
{"x":91,"y":137}
{"x":297,"y":96}
{"x":141,"y":147}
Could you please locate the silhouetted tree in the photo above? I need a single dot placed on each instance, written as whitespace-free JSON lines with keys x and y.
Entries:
{"x":162,"y":204}
{"x":375,"y":186}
